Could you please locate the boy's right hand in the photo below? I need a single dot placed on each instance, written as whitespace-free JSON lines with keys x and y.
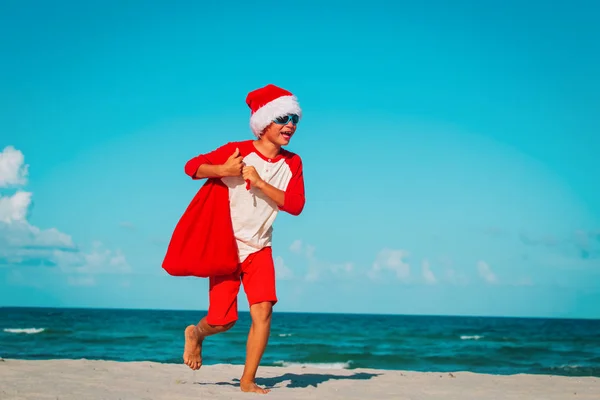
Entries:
{"x":234,"y":164}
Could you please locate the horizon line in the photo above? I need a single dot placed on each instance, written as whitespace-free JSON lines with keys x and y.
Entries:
{"x":305,"y":312}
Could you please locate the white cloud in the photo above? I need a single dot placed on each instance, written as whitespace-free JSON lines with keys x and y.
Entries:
{"x":14,"y":208}
{"x":428,"y":275}
{"x":316,"y":268}
{"x":486,"y":272}
{"x":312,"y":273}
{"x":21,"y":234}
{"x":13,"y":170}
{"x":55,"y":249}
{"x":82,"y":267}
{"x":99,"y":260}
{"x":296,"y":246}
{"x":23,"y":244}
{"x":282,"y":271}
{"x":392,"y":260}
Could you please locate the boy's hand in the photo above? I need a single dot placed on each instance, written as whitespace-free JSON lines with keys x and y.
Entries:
{"x":233,"y":165}
{"x":250,"y":174}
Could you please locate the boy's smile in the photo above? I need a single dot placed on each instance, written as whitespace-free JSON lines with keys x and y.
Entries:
{"x":287,"y":134}
{"x":280,"y":131}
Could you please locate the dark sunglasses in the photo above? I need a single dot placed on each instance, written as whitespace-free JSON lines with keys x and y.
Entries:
{"x":287,"y":118}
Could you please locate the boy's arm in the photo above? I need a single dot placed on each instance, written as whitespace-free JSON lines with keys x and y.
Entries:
{"x":219,"y":163}
{"x":209,"y":171}
{"x":277,"y":195}
{"x":291,"y":200}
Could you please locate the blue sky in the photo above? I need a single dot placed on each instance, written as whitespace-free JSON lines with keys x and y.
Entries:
{"x":450,"y":151}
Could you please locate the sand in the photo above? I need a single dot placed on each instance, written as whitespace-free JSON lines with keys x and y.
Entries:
{"x":91,"y":380}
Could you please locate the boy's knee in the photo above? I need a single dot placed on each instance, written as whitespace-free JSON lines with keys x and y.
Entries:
{"x":229,"y":325}
{"x":261,"y":312}
{"x":223,"y":328}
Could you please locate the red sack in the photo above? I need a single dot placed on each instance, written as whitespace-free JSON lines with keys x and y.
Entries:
{"x":203,"y":243}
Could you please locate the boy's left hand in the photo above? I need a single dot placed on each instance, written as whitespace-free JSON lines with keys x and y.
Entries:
{"x":250,"y":174}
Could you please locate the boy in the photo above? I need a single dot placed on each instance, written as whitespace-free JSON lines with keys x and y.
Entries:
{"x":261,"y":178}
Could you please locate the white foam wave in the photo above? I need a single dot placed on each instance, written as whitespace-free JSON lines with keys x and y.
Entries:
{"x":28,"y":331}
{"x":338,"y":365}
{"x":285,"y":334}
{"x":471,"y":337}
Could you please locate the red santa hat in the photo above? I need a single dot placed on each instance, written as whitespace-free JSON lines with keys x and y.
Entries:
{"x":268,"y":103}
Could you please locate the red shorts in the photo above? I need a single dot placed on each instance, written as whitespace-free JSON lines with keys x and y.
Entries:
{"x":256,"y":272}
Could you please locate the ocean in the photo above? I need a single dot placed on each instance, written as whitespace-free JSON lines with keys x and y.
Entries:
{"x":398,"y":342}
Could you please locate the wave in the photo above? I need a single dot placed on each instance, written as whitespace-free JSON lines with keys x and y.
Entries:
{"x":571,"y":370}
{"x":471,"y":337}
{"x":28,"y":331}
{"x":334,"y":365}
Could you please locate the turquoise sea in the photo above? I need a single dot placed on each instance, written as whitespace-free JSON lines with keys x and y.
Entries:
{"x":418,"y":343}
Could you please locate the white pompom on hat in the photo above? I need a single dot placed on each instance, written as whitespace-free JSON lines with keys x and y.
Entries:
{"x":268,"y":103}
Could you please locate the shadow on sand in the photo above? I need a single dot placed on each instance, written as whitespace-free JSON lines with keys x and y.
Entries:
{"x":297,"y":380}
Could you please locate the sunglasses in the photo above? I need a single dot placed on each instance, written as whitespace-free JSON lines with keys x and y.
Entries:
{"x":287,"y":118}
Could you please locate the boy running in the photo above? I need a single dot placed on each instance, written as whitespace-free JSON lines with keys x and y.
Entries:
{"x":262,"y":179}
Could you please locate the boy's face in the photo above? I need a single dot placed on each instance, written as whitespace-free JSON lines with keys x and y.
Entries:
{"x":280,"y":131}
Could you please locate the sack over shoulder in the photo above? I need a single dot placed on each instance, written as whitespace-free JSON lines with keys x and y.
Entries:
{"x":203,"y":243}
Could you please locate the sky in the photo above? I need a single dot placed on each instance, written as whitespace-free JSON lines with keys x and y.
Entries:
{"x":450,"y":151}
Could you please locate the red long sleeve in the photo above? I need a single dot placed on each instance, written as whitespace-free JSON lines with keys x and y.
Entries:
{"x":215,"y":157}
{"x":294,"y":194}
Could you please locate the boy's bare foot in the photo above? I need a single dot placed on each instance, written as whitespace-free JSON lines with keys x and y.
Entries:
{"x":252,"y":387}
{"x":192,"y":352}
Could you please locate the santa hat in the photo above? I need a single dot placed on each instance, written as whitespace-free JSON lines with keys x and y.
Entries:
{"x":268,"y":103}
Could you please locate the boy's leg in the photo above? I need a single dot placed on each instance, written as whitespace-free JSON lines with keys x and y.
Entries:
{"x":258,"y":277}
{"x":256,"y":345}
{"x":222,"y":315}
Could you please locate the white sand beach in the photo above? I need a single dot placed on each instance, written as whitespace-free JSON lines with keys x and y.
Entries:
{"x":91,"y":380}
